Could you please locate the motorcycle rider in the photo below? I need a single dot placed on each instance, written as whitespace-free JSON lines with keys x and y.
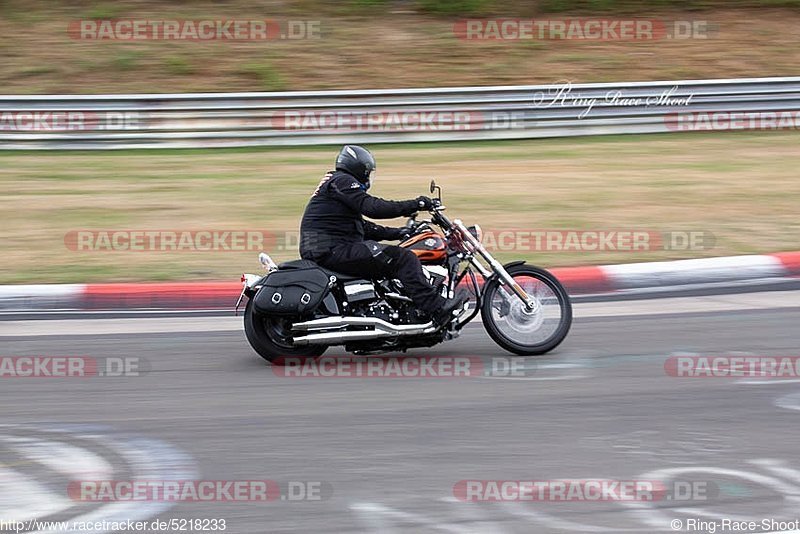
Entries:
{"x":334,"y":234}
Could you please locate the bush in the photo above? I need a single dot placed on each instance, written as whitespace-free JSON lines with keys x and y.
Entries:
{"x":265,"y":74}
{"x":554,"y":6}
{"x":178,"y":65}
{"x":456,"y":7}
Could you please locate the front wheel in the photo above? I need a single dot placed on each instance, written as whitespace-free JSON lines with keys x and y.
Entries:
{"x":519,"y":330}
{"x":271,"y":338}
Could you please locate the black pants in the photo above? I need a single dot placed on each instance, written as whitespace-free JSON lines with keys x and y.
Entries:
{"x":369,"y":259}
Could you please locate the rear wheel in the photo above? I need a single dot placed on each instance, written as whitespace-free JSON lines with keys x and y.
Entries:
{"x":517,"y":329}
{"x":271,"y":338}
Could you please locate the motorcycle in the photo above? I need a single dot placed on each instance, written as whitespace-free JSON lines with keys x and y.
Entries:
{"x":299,"y":309}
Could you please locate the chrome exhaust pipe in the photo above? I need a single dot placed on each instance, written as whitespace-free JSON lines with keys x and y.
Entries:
{"x":343,"y":322}
{"x":382,"y":329}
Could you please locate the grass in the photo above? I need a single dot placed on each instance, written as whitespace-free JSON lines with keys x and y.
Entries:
{"x":740,"y":187}
{"x":125,"y":60}
{"x":378,"y":43}
{"x":265,"y":75}
{"x":103,"y":12}
{"x":178,"y":65}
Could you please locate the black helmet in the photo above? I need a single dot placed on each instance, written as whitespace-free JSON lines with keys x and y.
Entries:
{"x":358,"y":162}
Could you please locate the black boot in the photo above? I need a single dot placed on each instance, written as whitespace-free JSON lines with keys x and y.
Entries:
{"x":450,"y":309}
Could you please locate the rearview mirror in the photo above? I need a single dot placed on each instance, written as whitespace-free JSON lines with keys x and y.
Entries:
{"x":436,"y":189}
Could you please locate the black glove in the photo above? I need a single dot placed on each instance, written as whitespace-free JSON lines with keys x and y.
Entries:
{"x":425,"y":203}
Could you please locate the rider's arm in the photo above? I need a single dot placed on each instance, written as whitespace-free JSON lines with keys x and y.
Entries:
{"x":377,"y":232}
{"x":349,"y":191}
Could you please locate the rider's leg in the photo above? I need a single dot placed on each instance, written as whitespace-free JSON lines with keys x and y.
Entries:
{"x":373,"y":260}
{"x":406,"y":267}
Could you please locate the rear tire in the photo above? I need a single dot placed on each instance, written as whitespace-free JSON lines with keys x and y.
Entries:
{"x":270,"y":338}
{"x":546,"y":345}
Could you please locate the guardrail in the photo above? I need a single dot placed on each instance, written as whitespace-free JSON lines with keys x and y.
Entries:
{"x":395,"y":115}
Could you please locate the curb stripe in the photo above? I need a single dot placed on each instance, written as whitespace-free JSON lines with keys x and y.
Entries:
{"x":577,"y":280}
{"x":161,"y":295}
{"x":682,"y":272}
{"x":584,"y":279}
{"x":41,"y":295}
{"x":790,"y":261}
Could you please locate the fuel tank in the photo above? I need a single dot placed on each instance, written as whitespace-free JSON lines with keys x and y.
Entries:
{"x":430,"y":247}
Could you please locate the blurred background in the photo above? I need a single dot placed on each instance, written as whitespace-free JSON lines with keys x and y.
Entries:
{"x":223,"y":116}
{"x":360,"y":44}
{"x":737,"y":187}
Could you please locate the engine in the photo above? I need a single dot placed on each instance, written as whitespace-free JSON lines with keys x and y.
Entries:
{"x":386,"y":302}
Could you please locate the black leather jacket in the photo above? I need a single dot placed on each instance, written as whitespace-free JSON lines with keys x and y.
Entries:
{"x":334,"y":216}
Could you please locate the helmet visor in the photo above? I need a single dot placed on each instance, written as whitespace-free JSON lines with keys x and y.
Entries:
{"x":370,"y":178}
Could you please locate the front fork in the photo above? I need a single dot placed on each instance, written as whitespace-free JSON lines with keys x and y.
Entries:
{"x":531,"y":304}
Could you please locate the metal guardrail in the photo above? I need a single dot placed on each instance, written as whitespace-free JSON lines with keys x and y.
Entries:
{"x":395,"y":115}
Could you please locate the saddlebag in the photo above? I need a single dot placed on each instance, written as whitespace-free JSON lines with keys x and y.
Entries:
{"x":292,"y":292}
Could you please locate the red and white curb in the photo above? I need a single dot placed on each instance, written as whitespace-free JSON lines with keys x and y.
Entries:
{"x":651,"y":275}
{"x":578,"y":280}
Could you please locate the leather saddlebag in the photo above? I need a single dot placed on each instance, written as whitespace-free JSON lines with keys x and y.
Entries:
{"x":292,"y":292}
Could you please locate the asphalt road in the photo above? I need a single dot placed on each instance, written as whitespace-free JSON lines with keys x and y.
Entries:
{"x":386,"y":453}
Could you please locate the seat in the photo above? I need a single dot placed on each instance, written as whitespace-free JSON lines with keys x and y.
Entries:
{"x":298,"y":264}
{"x":308,"y":264}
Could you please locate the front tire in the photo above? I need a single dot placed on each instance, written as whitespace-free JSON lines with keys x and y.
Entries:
{"x":270,"y":338}
{"x":516,"y":329}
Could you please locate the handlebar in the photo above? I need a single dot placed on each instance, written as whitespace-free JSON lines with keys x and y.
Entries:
{"x":438,"y":218}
